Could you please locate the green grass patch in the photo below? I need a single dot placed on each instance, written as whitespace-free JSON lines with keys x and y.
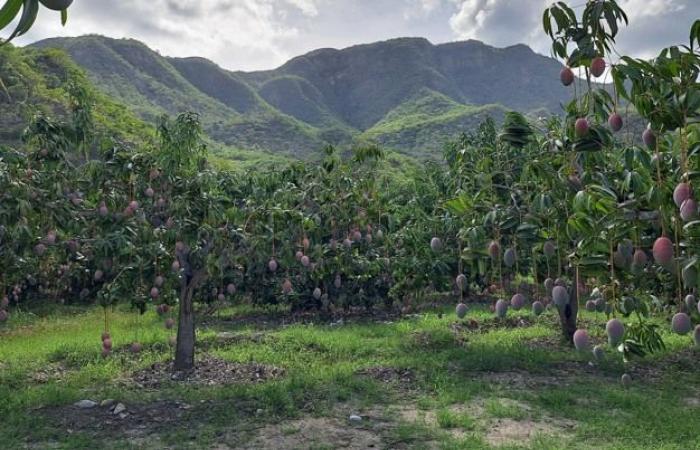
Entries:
{"x":459,"y":381}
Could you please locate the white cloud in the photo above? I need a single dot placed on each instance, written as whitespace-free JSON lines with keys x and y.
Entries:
{"x":420,"y":9}
{"x":429,"y":5}
{"x":498,"y":22}
{"x":241,"y":34}
{"x":308,"y":7}
{"x":653,"y":23}
{"x":637,"y":9}
{"x":261,"y":34}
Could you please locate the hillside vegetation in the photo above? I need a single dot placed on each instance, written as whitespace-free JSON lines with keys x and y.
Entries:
{"x":382,"y":91}
{"x":39,"y":82}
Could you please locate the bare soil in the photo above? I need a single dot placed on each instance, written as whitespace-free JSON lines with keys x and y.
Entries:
{"x":137,"y":421}
{"x":485,"y":325}
{"x":496,"y":431}
{"x":144,"y":425}
{"x":50,"y":372}
{"x":512,"y":432}
{"x":675,"y":364}
{"x":209,"y":371}
{"x":227,"y":339}
{"x":273,"y":320}
{"x":404,"y":377}
{"x":315,"y":432}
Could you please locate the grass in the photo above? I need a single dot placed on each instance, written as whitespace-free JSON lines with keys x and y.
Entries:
{"x":496,"y":408}
{"x":420,"y":126}
{"x":450,"y":419}
{"x":458,"y":394}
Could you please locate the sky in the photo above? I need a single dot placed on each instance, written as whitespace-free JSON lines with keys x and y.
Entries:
{"x":263,"y":34}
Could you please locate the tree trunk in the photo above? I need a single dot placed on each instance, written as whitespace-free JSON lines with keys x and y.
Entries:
{"x":190,"y":279}
{"x":184,"y":351}
{"x":568,"y":317}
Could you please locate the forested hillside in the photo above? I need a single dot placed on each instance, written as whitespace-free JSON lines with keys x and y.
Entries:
{"x":379,"y":92}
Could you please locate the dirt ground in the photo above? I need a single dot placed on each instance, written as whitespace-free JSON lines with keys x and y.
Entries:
{"x":345,"y":426}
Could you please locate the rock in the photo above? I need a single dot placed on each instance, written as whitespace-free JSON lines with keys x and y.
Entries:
{"x":107,"y":403}
{"x":86,"y":404}
{"x":355,"y":418}
{"x":599,"y":352}
{"x":120,"y":408}
{"x":626,"y":380}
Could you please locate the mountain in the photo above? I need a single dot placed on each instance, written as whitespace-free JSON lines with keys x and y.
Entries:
{"x":361,"y":84}
{"x":427,"y":119}
{"x":152,"y":86}
{"x":39,"y":82}
{"x":406,"y":94}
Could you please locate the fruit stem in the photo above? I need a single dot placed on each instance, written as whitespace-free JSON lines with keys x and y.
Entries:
{"x":589,"y":104}
{"x":498,"y":262}
{"x":678,"y":269}
{"x":459,"y":268}
{"x":612,"y":269}
{"x":684,"y":152}
{"x":578,"y":297}
{"x":273,"y":233}
{"x":459,"y":256}
{"x":658,"y":186}
{"x":556,"y":237}
{"x":515,"y":248}
{"x":534,"y":270}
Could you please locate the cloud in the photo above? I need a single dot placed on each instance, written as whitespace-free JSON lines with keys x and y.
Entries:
{"x":637,"y":9}
{"x":308,"y":7}
{"x":653,"y":23}
{"x":499,"y":22}
{"x":241,"y":34}
{"x":417,"y":9}
{"x":262,"y":34}
{"x":429,"y":5}
{"x":187,"y":8}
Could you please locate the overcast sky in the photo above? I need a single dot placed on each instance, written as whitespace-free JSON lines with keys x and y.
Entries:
{"x":262,"y":34}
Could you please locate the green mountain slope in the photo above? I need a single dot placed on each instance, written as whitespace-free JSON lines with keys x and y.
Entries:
{"x":218,"y":84}
{"x":153,"y":85}
{"x":361,"y":84}
{"x":151,"y":90}
{"x":420,"y":124}
{"x":407,"y":94}
{"x":37,"y":82}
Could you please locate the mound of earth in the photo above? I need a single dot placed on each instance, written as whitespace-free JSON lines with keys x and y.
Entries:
{"x":389,"y":374}
{"x":208,"y":371}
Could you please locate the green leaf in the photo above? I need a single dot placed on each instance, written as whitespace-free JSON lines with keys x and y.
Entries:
{"x":459,"y":205}
{"x":9,"y":11}
{"x":547,"y":24}
{"x":29,"y":13}
{"x":695,"y":34}
{"x":64,"y":17}
{"x":611,"y":20}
